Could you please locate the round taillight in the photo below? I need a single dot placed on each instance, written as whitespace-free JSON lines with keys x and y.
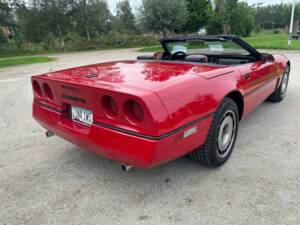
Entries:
{"x":110,"y":106}
{"x":134,"y":111}
{"x":48,"y":92}
{"x":37,"y":88}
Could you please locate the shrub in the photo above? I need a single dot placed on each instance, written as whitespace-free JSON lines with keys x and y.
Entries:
{"x":74,"y":42}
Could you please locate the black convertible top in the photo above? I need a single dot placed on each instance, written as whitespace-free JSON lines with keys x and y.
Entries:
{"x":237,"y":40}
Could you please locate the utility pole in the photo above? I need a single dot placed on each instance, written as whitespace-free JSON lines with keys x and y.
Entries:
{"x":291,"y":25}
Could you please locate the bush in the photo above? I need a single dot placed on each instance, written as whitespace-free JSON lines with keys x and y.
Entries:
{"x":117,"y":40}
{"x":74,"y":42}
{"x":111,"y":40}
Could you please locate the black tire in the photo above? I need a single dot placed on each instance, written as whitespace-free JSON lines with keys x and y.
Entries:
{"x":209,"y":154}
{"x":279,"y":94}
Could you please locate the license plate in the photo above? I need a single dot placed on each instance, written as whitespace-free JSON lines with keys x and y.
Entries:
{"x":82,"y":115}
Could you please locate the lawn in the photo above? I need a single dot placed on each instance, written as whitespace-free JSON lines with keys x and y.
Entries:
{"x":23,"y":60}
{"x":259,"y":41}
{"x":272,"y":41}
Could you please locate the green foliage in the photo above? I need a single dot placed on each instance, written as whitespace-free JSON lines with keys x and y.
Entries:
{"x":125,"y":19}
{"x":44,"y":18}
{"x":151,"y":49}
{"x":6,"y":18}
{"x":164,"y":16}
{"x":214,"y":25}
{"x":275,"y":16}
{"x":199,"y":13}
{"x":23,"y":60}
{"x":233,"y":16}
{"x":91,"y":17}
{"x":242,"y":20}
{"x":56,"y":25}
{"x":272,"y":41}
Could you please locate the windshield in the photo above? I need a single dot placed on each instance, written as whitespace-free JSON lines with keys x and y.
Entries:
{"x":227,"y":47}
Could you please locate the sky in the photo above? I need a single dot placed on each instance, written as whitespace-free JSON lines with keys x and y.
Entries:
{"x":136,"y":3}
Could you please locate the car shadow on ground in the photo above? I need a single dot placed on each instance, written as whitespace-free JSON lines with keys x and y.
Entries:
{"x":79,"y":163}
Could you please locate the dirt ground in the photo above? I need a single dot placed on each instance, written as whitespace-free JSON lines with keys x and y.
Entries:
{"x":50,"y":181}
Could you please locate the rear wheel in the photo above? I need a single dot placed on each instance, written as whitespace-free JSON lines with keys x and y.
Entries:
{"x":221,"y":137}
{"x":279,"y":94}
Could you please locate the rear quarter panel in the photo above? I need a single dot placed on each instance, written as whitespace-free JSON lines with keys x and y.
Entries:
{"x":195,"y":98}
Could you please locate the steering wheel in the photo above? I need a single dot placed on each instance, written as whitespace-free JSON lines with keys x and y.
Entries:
{"x":178,"y":55}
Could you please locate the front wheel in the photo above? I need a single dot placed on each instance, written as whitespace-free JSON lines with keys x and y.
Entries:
{"x":279,"y":94}
{"x":221,"y":137}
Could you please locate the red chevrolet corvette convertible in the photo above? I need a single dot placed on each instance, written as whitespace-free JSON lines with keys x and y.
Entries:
{"x":187,"y":100}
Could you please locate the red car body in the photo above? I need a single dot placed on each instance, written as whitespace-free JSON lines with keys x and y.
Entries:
{"x":178,"y":101}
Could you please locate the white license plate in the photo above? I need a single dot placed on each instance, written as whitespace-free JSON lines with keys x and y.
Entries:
{"x":82,"y":115}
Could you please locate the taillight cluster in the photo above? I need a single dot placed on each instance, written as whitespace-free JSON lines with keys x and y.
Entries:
{"x":40,"y":92}
{"x":133,"y":111}
{"x":110,"y":106}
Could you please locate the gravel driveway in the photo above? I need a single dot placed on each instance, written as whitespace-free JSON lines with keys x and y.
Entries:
{"x":50,"y":181}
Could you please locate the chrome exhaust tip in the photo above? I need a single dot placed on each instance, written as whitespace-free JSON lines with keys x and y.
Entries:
{"x":125,"y":168}
{"x":49,"y":134}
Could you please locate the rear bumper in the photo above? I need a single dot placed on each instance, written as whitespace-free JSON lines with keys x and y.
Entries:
{"x":125,"y":148}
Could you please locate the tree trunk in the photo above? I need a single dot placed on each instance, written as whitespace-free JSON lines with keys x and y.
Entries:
{"x":226,"y":29}
{"x":61,"y":39}
{"x":88,"y":35}
{"x":164,"y":33}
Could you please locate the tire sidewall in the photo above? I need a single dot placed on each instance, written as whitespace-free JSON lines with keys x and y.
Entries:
{"x":226,"y":105}
{"x":282,"y":95}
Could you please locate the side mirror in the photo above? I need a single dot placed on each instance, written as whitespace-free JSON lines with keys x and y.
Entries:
{"x":267,"y":57}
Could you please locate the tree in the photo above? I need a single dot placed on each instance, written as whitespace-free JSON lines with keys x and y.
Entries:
{"x":91,"y":17}
{"x":6,"y":17}
{"x":234,"y":17}
{"x":125,"y":20}
{"x":199,"y":13}
{"x":275,"y":16}
{"x":224,"y":11}
{"x":55,"y":18}
{"x":41,"y":19}
{"x":163,"y":16}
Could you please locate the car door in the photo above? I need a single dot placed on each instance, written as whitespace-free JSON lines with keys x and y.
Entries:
{"x":258,"y":82}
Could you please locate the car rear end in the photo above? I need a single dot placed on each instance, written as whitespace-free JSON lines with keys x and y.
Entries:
{"x":115,"y":119}
{"x":102,"y":119}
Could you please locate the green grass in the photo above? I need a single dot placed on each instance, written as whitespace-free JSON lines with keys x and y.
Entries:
{"x":23,"y":60}
{"x":259,"y":41}
{"x":272,"y":41}
{"x":151,"y":49}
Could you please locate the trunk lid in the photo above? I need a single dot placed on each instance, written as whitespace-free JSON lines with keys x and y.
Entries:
{"x":133,"y":74}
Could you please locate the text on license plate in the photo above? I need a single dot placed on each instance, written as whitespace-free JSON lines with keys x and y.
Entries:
{"x":82,"y":115}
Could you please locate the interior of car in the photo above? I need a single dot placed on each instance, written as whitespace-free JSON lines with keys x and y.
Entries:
{"x":204,"y":51}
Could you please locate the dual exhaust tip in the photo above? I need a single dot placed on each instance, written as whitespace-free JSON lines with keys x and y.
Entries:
{"x":124,"y":167}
